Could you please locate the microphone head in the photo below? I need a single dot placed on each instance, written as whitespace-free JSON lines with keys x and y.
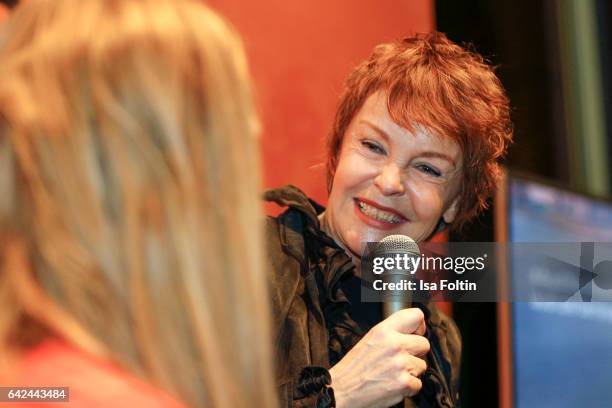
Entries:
{"x":389,"y":246}
{"x":397,"y":244}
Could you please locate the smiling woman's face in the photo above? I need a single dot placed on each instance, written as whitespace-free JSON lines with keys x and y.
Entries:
{"x":391,"y":181}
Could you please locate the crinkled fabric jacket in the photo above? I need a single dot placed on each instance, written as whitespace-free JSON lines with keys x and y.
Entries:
{"x":312,"y":317}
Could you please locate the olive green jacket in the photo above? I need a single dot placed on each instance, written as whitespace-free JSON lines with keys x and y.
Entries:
{"x":311,"y":315}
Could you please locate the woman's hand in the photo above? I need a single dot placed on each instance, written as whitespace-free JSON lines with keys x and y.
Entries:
{"x":384,"y":366}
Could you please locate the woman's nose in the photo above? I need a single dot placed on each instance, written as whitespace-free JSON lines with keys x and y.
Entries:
{"x":389,"y":180}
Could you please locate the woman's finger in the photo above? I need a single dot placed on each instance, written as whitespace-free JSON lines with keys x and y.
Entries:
{"x":406,"y":321}
{"x":413,"y":344}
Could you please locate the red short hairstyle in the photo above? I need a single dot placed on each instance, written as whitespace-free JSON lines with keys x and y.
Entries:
{"x":431,"y":81}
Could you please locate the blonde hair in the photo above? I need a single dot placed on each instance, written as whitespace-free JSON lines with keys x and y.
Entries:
{"x":129,"y":185}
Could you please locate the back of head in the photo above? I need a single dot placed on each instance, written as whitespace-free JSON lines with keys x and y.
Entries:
{"x":129,"y":184}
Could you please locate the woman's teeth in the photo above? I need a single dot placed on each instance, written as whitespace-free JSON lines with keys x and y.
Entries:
{"x":378,"y":214}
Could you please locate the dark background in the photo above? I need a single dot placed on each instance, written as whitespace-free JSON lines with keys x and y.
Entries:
{"x":10,"y":3}
{"x":520,"y":38}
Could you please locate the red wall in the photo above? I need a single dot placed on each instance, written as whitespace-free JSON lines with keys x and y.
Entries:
{"x":300,"y":52}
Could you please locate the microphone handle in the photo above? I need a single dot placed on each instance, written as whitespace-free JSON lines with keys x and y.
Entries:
{"x":392,"y":306}
{"x":394,"y":301}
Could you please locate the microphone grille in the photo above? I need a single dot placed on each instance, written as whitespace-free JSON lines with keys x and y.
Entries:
{"x":398,"y":243}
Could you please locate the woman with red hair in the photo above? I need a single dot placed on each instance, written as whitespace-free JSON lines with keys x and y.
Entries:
{"x":414,"y":148}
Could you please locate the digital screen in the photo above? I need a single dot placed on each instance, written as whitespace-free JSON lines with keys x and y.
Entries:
{"x":562,"y":352}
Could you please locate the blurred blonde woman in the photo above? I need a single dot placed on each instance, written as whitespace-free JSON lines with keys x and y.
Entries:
{"x":130,"y":250}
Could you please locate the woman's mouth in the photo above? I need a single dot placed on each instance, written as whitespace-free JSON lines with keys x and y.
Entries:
{"x":378,"y":213}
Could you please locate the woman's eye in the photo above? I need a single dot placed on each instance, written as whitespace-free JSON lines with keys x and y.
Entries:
{"x":373,"y":147}
{"x":429,"y":170}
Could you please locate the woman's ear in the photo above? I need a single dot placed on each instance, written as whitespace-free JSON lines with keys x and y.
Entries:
{"x":450,"y":213}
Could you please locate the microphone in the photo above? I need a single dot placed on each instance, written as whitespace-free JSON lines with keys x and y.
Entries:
{"x":393,"y":246}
